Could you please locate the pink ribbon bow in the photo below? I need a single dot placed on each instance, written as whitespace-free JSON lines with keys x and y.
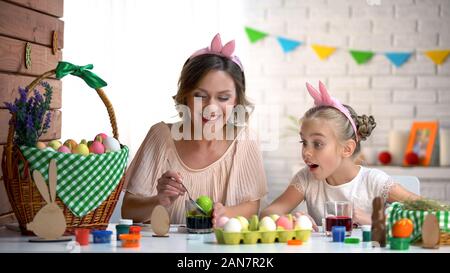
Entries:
{"x":322,"y":98}
{"x":217,"y":48}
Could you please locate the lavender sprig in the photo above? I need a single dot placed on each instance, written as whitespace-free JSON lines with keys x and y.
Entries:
{"x":32,"y":115}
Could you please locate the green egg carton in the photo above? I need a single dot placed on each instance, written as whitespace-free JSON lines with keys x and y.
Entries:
{"x":265,"y":237}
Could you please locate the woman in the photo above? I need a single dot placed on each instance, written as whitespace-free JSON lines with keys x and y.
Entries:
{"x":228,"y":170}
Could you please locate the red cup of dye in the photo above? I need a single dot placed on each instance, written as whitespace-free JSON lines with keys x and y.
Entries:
{"x":82,"y":236}
{"x":135,"y":230}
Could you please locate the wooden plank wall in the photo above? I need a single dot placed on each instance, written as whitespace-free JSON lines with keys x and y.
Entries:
{"x":32,"y":21}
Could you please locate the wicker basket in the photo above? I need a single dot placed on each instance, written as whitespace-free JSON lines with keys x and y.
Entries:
{"x":26,"y":199}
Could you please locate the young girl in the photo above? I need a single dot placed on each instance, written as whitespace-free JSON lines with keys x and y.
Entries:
{"x":331,"y":136}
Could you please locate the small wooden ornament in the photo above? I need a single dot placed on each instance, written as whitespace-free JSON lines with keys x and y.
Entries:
{"x":49,"y":223}
{"x":378,"y":222}
{"x":54,"y":42}
{"x":431,"y":233}
{"x":160,"y":221}
{"x":28,"y":55}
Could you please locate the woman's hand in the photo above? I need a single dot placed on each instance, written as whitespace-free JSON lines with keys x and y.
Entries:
{"x":315,"y":227}
{"x":361,"y":218}
{"x":219,"y":210}
{"x":169,"y":188}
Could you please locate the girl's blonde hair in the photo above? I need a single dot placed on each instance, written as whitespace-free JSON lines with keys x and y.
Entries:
{"x":364,"y":124}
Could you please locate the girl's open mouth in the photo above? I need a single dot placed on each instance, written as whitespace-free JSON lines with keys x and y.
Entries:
{"x":312,"y":166}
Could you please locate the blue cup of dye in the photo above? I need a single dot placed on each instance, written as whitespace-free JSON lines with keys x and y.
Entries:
{"x":338,"y":233}
{"x":102,"y":236}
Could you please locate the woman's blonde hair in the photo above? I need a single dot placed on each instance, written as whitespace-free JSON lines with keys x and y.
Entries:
{"x":364,"y":124}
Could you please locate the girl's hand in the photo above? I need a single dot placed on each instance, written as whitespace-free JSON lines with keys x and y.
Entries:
{"x":360,"y":217}
{"x":169,"y":188}
{"x":219,"y":210}
{"x":315,"y":227}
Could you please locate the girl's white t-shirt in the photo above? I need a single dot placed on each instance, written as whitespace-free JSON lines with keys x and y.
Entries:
{"x":360,"y":191}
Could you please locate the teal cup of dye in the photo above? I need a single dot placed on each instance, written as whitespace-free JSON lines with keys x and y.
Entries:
{"x":122,"y":229}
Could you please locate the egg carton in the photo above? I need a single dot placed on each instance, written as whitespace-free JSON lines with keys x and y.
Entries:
{"x":265,"y":237}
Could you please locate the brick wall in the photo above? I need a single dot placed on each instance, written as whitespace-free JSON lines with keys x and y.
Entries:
{"x":395,"y":96}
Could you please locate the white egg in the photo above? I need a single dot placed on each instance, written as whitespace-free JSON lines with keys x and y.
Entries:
{"x":111,"y":144}
{"x":303,"y":222}
{"x":233,"y":225}
{"x":267,"y":224}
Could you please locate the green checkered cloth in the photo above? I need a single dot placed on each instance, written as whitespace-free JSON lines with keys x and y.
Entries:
{"x":83,"y":182}
{"x":396,"y":212}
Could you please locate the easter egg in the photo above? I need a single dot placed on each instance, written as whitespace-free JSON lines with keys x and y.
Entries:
{"x":412,"y":158}
{"x":55,"y":144}
{"x":403,"y":228}
{"x":82,"y":148}
{"x":71,"y":143}
{"x":233,"y":225}
{"x":40,"y":145}
{"x":274,"y":217}
{"x":253,"y":223}
{"x":101,"y":137}
{"x":385,"y":158}
{"x":303,"y":222}
{"x":244,"y":223}
{"x":111,"y":144}
{"x":64,"y":149}
{"x":284,"y":222}
{"x":205,"y":203}
{"x":267,"y":224}
{"x":222,"y":221}
{"x":97,"y":147}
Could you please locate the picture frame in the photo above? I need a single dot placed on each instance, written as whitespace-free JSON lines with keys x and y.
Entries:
{"x":422,"y":141}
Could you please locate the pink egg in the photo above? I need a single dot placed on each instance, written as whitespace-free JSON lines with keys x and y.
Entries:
{"x":285,"y":223}
{"x":222,"y":221}
{"x":64,"y":149}
{"x":97,"y":147}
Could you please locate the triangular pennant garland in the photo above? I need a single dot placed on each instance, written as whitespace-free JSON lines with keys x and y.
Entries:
{"x":255,"y":35}
{"x":361,"y":57}
{"x":323,"y":51}
{"x":437,"y":56}
{"x":288,"y":45}
{"x":398,"y":58}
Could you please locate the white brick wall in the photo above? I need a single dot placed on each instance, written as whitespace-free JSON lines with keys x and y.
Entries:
{"x":419,"y":90}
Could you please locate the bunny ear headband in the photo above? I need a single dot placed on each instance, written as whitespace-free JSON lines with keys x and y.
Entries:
{"x":322,"y":98}
{"x":217,"y":48}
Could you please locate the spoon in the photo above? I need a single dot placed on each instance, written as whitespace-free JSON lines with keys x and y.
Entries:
{"x":193,"y":202}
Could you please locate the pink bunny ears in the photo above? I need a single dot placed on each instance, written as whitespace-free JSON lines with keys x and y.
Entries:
{"x":217,"y":48}
{"x":322,"y":98}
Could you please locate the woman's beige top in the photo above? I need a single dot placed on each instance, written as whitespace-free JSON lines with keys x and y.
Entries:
{"x":236,"y":177}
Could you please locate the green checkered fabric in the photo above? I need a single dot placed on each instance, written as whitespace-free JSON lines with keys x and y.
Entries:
{"x":84,"y":182}
{"x":396,"y":212}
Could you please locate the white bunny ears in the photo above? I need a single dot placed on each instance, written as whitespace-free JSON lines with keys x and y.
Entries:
{"x":217,"y":48}
{"x":324,"y":98}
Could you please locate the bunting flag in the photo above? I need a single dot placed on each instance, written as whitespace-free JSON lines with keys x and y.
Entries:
{"x":255,"y":35}
{"x":398,"y":58}
{"x":437,"y":56}
{"x":323,"y":51}
{"x":361,"y":57}
{"x":288,"y":45}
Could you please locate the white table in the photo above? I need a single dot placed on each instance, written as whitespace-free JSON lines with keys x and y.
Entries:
{"x":178,"y":242}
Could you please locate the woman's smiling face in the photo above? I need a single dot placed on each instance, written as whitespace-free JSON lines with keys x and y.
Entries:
{"x":216,"y":92}
{"x":320,"y":147}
